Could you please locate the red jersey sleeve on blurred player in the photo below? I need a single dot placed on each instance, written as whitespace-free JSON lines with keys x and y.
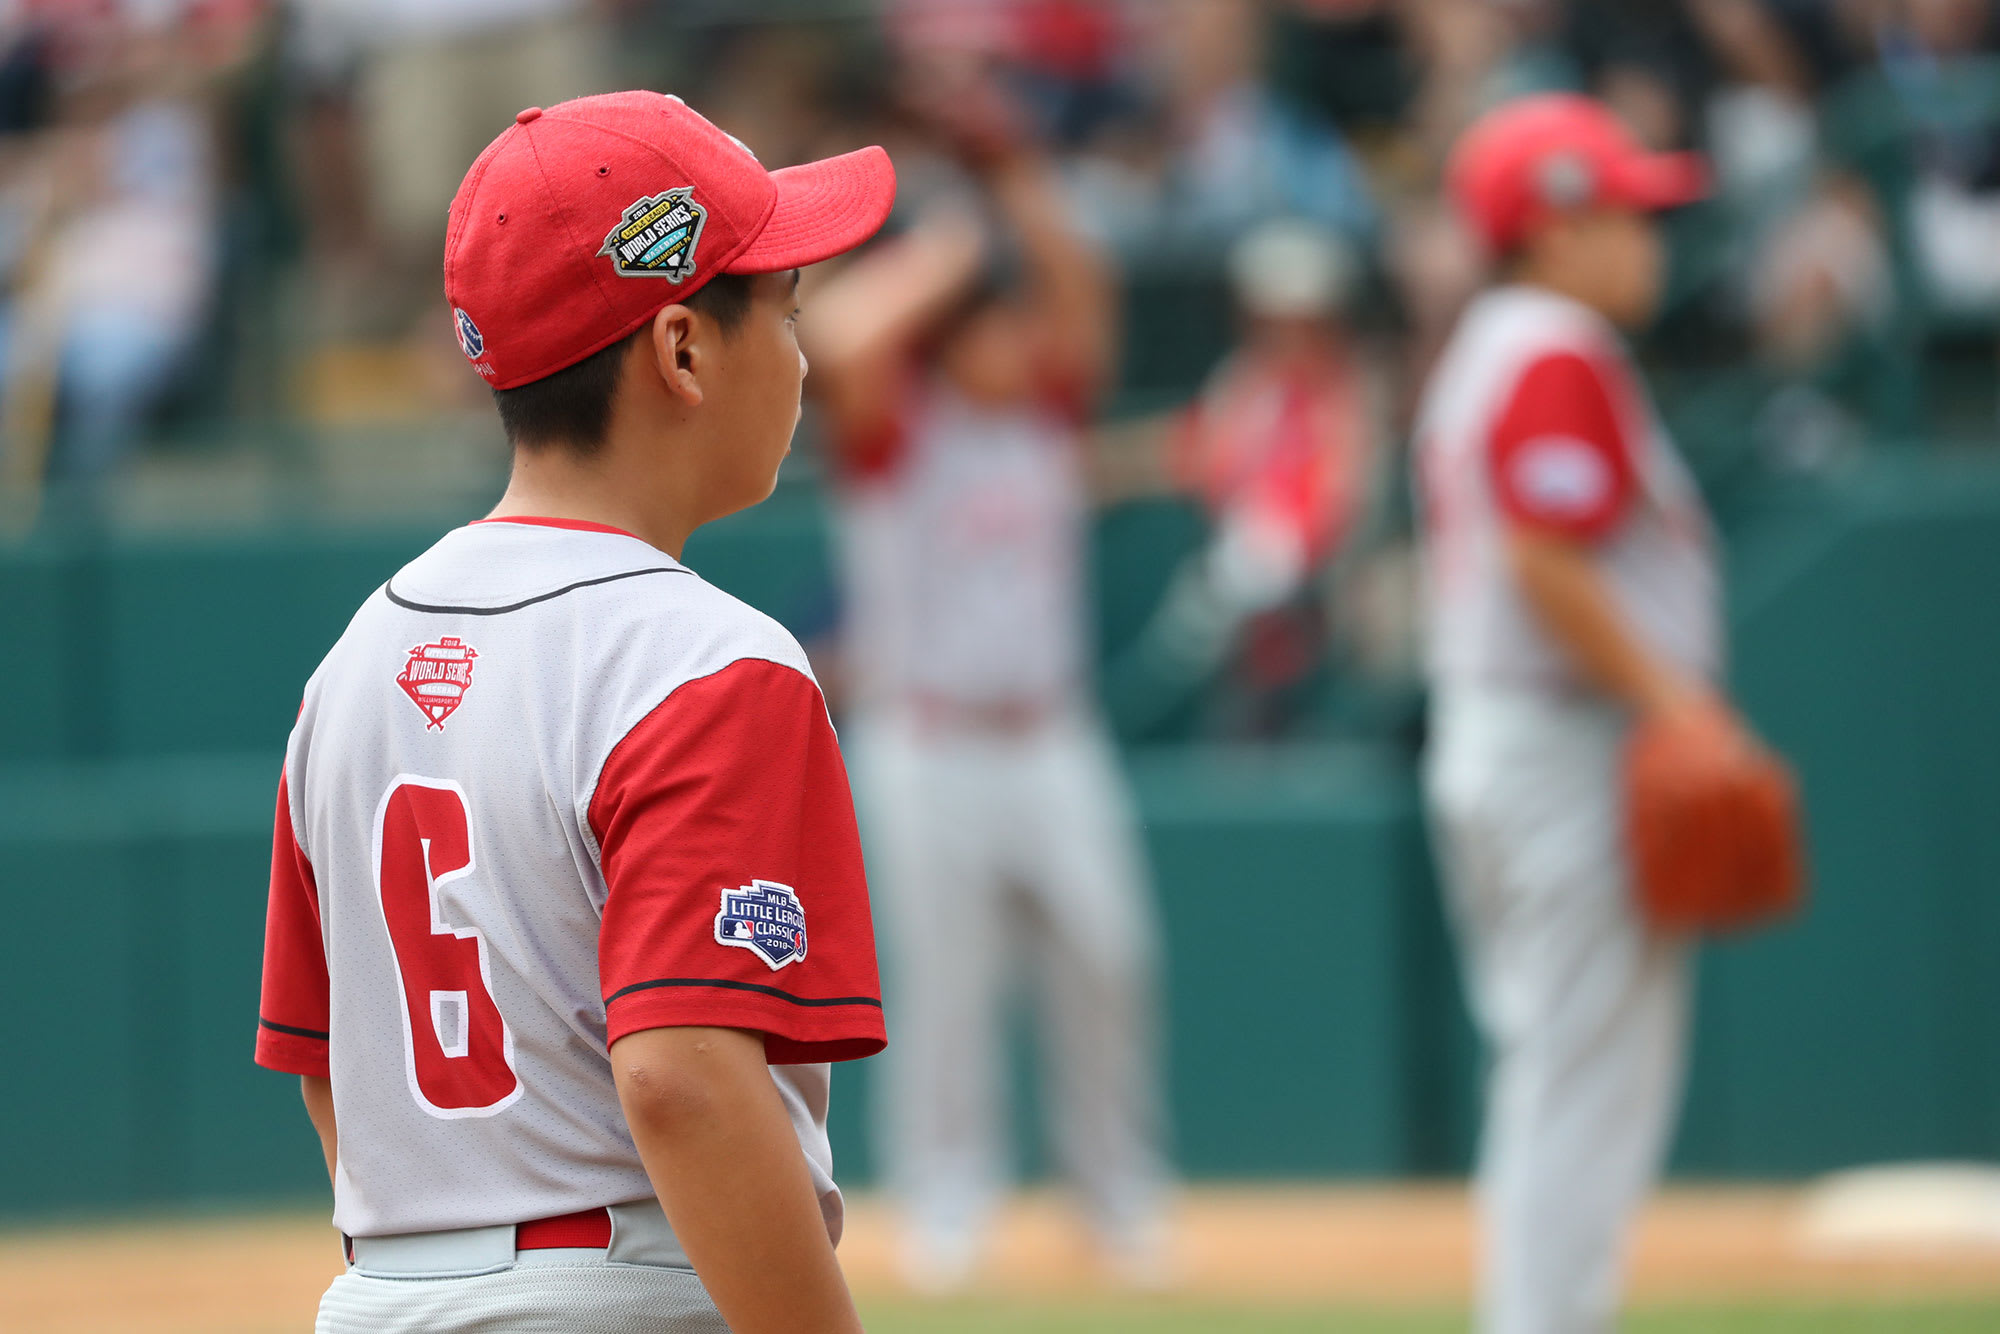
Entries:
{"x":1560,"y":458}
{"x":872,"y":445}
{"x":1069,"y":394}
{"x":292,"y":1013}
{"x":874,"y":451}
{"x":723,"y":819}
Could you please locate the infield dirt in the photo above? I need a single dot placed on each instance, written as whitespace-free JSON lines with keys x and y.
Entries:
{"x":1389,"y":1246}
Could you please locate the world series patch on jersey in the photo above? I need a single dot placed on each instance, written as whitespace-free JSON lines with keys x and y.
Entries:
{"x":511,"y":830}
{"x":437,"y":676}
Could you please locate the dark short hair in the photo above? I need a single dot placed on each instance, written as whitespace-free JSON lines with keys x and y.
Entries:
{"x":571,"y":409}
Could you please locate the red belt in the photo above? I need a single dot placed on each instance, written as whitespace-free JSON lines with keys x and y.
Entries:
{"x":589,"y":1228}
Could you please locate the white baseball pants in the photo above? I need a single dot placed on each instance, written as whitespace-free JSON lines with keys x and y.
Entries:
{"x":978,"y":844}
{"x":1584,"y":1009}
{"x":556,"y":1296}
{"x":475,"y":1281}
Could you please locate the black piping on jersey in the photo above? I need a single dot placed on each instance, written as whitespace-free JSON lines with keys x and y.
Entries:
{"x":725,"y":984}
{"x":287,"y":1028}
{"x":389,"y":591}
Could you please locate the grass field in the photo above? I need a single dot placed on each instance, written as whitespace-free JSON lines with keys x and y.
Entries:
{"x":1332,"y":1260}
{"x":1179,"y":1318}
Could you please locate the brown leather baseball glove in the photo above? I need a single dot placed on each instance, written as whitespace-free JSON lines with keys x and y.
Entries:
{"x":1712,"y":822}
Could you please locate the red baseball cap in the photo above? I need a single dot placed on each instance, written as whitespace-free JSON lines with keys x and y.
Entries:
{"x":1534,"y":157}
{"x":580,"y":222}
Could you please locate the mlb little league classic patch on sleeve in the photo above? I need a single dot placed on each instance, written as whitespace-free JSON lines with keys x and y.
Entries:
{"x":656,"y":236}
{"x":764,"y":917}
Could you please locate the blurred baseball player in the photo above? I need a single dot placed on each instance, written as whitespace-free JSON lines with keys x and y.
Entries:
{"x":567,"y":908}
{"x":1278,"y":447}
{"x":1572,"y":595}
{"x":959,"y":363}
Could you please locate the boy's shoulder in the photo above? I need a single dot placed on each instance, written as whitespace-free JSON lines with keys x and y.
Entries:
{"x":590,"y":609}
{"x":709,"y":628}
{"x":494,"y":568}
{"x":1526,"y":317}
{"x":1502,"y":332}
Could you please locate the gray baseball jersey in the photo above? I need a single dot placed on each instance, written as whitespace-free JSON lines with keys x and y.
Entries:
{"x":548,"y":789}
{"x":1533,"y":416}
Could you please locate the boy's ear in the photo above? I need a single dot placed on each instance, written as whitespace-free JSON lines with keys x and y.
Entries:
{"x":679,"y":356}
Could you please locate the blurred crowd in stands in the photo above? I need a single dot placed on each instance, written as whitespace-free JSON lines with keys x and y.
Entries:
{"x":220,"y":219}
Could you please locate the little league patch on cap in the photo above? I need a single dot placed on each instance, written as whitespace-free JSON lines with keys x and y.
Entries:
{"x":656,"y":237}
{"x":765,"y":918}
{"x":570,"y":201}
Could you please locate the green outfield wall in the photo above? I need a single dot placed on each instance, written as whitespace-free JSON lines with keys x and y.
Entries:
{"x":146,"y":685}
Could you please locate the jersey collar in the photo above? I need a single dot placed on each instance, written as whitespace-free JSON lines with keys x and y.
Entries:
{"x":573,"y":525}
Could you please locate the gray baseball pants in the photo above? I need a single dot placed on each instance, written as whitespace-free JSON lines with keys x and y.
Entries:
{"x":1583,"y":1007}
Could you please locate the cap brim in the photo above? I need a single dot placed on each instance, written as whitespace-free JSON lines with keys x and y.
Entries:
{"x":1660,"y":181}
{"x":824,"y":208}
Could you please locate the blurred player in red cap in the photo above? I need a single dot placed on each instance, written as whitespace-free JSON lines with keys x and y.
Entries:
{"x":1572,"y":590}
{"x":567,"y":913}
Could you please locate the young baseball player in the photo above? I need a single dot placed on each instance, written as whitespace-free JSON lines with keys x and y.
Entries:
{"x":959,"y":363}
{"x":567,"y":910}
{"x":1572,"y":592}
{"x":1279,"y":448}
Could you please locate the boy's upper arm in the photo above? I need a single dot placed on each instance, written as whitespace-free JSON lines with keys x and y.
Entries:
{"x":1560,"y":454}
{"x":737,"y":897}
{"x":293,"y":1009}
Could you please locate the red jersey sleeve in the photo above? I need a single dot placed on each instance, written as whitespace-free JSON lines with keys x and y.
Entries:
{"x":1560,"y":457}
{"x":874,"y":450}
{"x":737,"y":896}
{"x":292,"y":1013}
{"x":1069,"y":395}
{"x":874,"y":447}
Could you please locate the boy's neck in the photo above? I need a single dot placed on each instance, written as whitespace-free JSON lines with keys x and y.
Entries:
{"x":1551,"y":277}
{"x":553,"y":483}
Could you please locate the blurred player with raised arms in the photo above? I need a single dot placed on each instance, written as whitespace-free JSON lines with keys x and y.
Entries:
{"x":567,"y":910}
{"x":1572,"y":594}
{"x":959,"y":363}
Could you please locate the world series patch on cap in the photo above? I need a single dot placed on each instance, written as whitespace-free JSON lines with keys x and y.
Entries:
{"x":581,"y":221}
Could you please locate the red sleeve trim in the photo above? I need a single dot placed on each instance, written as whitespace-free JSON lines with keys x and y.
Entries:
{"x":293,"y":1013}
{"x":736,"y":779}
{"x":1561,"y":461}
{"x":647,"y":1004}
{"x":291,"y":1051}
